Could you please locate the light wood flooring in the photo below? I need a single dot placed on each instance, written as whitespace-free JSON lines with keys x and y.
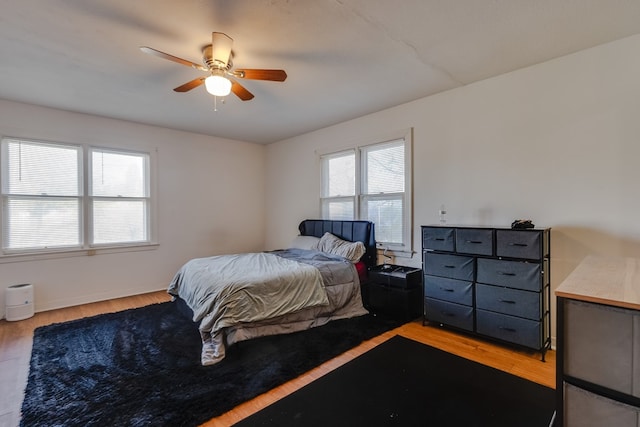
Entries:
{"x":16,"y":340}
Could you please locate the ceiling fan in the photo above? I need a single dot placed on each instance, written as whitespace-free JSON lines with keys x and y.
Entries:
{"x":217,"y":59}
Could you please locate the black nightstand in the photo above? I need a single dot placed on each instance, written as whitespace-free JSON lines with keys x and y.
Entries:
{"x":394,"y":290}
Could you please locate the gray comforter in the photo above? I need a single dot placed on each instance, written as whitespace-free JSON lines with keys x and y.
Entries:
{"x":230,"y":290}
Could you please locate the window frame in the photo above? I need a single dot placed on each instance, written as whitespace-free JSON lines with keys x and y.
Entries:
{"x":404,"y":249}
{"x":85,"y":247}
{"x":91,"y":197}
{"x":8,"y":196}
{"x":325,"y":200}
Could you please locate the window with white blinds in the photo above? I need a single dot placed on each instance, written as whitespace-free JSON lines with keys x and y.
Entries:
{"x":339,"y":186}
{"x":119,"y":197}
{"x":383,"y":185}
{"x":371,"y":182}
{"x":63,"y":196}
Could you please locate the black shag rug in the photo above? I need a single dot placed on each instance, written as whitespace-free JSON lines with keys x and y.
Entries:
{"x":405,"y":383}
{"x":141,"y":367}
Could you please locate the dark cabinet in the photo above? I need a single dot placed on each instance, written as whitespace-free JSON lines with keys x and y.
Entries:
{"x":394,"y":290}
{"x":490,"y":281}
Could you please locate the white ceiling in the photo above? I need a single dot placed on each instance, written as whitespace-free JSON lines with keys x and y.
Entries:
{"x":344,"y":58}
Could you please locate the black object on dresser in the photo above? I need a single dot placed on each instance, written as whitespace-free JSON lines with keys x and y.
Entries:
{"x":493,"y":282}
{"x":394,"y":290}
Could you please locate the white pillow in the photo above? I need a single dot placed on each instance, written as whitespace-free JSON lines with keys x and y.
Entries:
{"x":353,"y":251}
{"x":305,"y":242}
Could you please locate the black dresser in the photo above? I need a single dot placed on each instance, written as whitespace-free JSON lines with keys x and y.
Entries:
{"x":493,"y":282}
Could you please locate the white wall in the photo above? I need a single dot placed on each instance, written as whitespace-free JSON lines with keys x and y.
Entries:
{"x":557,"y":142}
{"x":210,"y":201}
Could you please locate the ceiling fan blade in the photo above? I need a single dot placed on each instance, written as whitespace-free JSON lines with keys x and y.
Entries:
{"x":256,"y":74}
{"x":240,"y":91}
{"x":190,"y":85}
{"x":221,"y":48}
{"x":163,"y":55}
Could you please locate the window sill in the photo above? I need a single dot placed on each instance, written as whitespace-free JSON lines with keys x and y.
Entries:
{"x":395,"y":253}
{"x":38,"y":256}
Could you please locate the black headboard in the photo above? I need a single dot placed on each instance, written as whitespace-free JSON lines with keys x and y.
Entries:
{"x":353,"y":231}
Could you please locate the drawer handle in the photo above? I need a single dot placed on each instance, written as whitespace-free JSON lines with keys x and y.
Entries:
{"x":449,"y":266}
{"x":506,"y":329}
{"x":503,"y":273}
{"x":521,"y":245}
{"x":477,"y":242}
{"x":507,"y":301}
{"x":447,"y":290}
{"x":439,"y":239}
{"x":448,"y":314}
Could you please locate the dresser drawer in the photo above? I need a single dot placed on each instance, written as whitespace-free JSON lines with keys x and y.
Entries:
{"x":600,"y":345}
{"x":476,"y":241}
{"x":512,"y":274}
{"x":451,"y":290}
{"x":438,"y":238}
{"x":459,"y":316}
{"x":519,"y":244}
{"x":585,"y":409}
{"x":508,"y":328}
{"x":509,"y":301}
{"x":452,"y":266}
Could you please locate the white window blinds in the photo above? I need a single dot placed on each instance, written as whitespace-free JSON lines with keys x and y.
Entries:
{"x":338,"y":189}
{"x":62,"y":196}
{"x":119,"y":197}
{"x":372,"y":182}
{"x":41,"y":195}
{"x":383,"y":176}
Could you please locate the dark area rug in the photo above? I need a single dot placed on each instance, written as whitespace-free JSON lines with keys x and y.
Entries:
{"x":405,"y":383}
{"x":142,"y":367}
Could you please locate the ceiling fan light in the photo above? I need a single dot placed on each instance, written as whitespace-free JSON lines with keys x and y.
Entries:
{"x":218,"y":85}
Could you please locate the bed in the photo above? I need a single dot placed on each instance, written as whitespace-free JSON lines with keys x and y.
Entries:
{"x":237,"y":297}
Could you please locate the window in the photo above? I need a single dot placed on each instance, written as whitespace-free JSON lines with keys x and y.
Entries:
{"x":41,"y":195}
{"x":383,"y":181}
{"x":63,"y":197}
{"x":119,"y":197}
{"x":371,"y":182}
{"x":339,"y":186}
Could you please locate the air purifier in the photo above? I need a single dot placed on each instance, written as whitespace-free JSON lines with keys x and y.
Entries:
{"x":19,"y":302}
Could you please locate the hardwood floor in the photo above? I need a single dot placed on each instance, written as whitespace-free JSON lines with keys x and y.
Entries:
{"x":16,"y":340}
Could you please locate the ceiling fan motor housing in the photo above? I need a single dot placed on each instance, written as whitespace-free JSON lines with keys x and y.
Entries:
{"x":212,"y":64}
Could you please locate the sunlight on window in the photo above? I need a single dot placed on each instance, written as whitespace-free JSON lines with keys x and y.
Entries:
{"x":382,"y":184}
{"x":41,"y":195}
{"x":52,"y":200}
{"x":119,"y":190}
